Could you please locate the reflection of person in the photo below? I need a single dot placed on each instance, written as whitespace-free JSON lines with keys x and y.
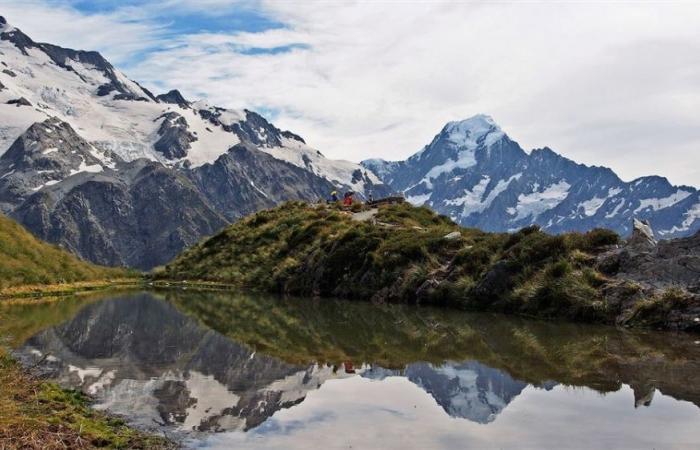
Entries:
{"x":349,"y":368}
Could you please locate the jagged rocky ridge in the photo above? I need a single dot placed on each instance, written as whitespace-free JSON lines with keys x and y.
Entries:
{"x":474,"y":173}
{"x":96,"y":163}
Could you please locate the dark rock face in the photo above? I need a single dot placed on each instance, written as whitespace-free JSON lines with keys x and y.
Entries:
{"x":173,"y":97}
{"x":175,"y":138}
{"x":19,"y":102}
{"x":139,"y":216}
{"x":664,"y":264}
{"x":46,"y":153}
{"x":254,"y":129}
{"x":245,"y":180}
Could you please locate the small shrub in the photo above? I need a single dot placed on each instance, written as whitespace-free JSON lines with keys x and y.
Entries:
{"x":559,"y":269}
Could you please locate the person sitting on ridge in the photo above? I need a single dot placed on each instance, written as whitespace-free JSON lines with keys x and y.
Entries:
{"x":347,"y":200}
{"x":334,"y":196}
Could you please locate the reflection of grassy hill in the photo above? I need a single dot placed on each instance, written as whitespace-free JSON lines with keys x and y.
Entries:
{"x":404,"y":256}
{"x":305,"y":331}
{"x":20,"y":321}
{"x":25,"y":260}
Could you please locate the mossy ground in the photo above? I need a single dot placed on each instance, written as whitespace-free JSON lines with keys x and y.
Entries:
{"x":403,"y":256}
{"x":40,"y":415}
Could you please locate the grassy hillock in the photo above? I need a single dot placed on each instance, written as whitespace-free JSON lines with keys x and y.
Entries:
{"x":25,"y":260}
{"x":404,"y":254}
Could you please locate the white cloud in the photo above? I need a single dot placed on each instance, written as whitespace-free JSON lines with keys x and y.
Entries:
{"x":607,"y":84}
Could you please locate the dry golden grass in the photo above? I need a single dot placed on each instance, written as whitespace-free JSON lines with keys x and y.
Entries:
{"x":17,"y":293}
{"x":26,"y":260}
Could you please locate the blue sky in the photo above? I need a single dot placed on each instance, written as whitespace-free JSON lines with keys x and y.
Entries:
{"x":605,"y":83}
{"x":243,"y":16}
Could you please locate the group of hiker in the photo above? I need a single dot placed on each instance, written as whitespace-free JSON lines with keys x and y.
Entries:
{"x":347,"y":198}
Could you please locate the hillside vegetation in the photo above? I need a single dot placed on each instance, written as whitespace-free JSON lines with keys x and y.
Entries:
{"x":405,"y":254}
{"x":25,"y":260}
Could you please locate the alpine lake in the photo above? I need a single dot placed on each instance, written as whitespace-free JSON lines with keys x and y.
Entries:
{"x":236,"y":370}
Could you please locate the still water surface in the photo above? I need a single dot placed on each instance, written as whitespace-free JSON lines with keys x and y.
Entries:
{"x":238,"y":371}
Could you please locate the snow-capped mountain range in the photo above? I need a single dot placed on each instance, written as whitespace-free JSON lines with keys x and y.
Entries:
{"x":91,"y":160}
{"x":474,"y":173}
{"x":98,"y":164}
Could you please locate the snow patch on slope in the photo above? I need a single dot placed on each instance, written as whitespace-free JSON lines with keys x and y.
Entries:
{"x":535,"y":203}
{"x":419,"y":200}
{"x":590,"y":207}
{"x":660,"y":203}
{"x":691,"y":216}
{"x":473,"y":200}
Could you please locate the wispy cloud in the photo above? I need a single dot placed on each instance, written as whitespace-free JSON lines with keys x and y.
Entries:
{"x":119,"y":37}
{"x":609,"y":84}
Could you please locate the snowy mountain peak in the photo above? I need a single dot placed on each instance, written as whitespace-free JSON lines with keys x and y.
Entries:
{"x":472,"y":172}
{"x":470,"y":132}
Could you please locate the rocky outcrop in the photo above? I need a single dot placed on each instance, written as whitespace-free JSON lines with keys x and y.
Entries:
{"x":175,"y":137}
{"x":663,"y":264}
{"x":19,"y":102}
{"x":174,"y":97}
{"x":642,"y":235}
{"x":656,"y":283}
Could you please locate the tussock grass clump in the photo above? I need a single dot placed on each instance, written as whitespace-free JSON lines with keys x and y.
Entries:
{"x":662,"y":309}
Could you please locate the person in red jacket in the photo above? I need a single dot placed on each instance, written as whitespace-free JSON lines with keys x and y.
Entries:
{"x":347,"y":200}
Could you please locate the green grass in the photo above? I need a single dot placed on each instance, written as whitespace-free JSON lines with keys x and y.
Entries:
{"x":25,"y":260}
{"x":317,"y":250}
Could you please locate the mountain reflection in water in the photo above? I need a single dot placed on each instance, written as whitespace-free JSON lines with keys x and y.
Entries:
{"x":187,"y":361}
